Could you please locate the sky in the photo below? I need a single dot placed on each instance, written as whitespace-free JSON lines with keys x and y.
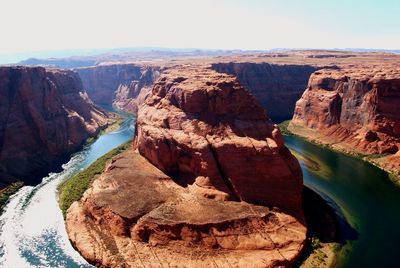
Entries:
{"x":39,"y":25}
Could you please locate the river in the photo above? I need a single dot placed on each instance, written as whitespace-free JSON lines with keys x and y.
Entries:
{"x":32,"y":232}
{"x":363,"y":195}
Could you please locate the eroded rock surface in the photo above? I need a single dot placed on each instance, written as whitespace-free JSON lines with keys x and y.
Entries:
{"x":44,"y":116}
{"x":354,"y":109}
{"x":276,"y":87}
{"x":208,"y":132}
{"x":208,"y":183}
{"x":117,"y":84}
{"x":136,"y":216}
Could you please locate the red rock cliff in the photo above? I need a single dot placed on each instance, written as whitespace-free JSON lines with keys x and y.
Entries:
{"x":354,"y":109}
{"x":276,"y":87}
{"x":117,"y":84}
{"x":44,"y":116}
{"x":205,"y":129}
{"x":202,"y":140}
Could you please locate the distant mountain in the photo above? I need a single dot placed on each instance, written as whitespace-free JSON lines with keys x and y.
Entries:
{"x":88,"y":57}
{"x":81,"y":58}
{"x":66,"y":63}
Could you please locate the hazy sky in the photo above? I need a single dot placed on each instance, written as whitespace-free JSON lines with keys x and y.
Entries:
{"x":249,"y":24}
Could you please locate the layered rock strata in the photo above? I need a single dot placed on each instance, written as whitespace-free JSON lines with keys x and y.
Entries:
{"x":209,"y":182}
{"x":353,"y":109}
{"x":44,"y":116}
{"x":276,"y":87}
{"x":117,"y":84}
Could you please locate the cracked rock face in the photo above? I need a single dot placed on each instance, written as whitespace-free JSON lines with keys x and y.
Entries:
{"x":355,"y":109}
{"x":204,"y":129}
{"x":209,"y":182}
{"x":44,"y":116}
{"x":134,"y":215}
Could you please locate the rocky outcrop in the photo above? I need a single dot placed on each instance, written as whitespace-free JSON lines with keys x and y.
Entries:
{"x":206,"y":130}
{"x":209,"y":182}
{"x":44,"y":116}
{"x":117,"y":84}
{"x":353,"y":109}
{"x":276,"y":87}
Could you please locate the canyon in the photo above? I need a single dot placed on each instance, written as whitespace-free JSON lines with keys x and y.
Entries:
{"x":278,"y":81}
{"x":354,"y":110}
{"x":45,"y":115}
{"x":117,"y":85}
{"x":202,"y":146}
{"x":276,"y":87}
{"x":205,"y":143}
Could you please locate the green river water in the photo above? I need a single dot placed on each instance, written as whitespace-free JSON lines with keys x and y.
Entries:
{"x":365,"y":197}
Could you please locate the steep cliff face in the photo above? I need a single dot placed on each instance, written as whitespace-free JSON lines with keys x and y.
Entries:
{"x":213,"y":184}
{"x":44,"y":116}
{"x":206,"y":129}
{"x":117,"y":84}
{"x":354,"y":109}
{"x":276,"y":87}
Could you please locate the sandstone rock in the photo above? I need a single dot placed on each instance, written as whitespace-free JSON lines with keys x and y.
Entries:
{"x":276,"y":87}
{"x":209,"y":182}
{"x":117,"y":84}
{"x":44,"y":117}
{"x":136,"y":216}
{"x":205,"y":130}
{"x":354,"y":109}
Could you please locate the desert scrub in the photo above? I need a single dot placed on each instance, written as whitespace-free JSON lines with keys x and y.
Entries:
{"x":72,"y":190}
{"x":8,"y":191}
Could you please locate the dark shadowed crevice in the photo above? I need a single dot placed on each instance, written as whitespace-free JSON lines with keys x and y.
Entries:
{"x":226,"y":180}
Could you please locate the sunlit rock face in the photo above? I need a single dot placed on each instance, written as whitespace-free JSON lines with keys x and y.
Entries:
{"x":356,"y":109}
{"x":207,"y":182}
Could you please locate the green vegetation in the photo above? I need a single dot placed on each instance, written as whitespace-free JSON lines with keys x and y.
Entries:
{"x":5,"y":193}
{"x":394,"y":178}
{"x":72,"y":190}
{"x":114,"y":123}
{"x":311,"y":246}
{"x":373,"y":156}
{"x":315,"y":253}
{"x":284,"y":128}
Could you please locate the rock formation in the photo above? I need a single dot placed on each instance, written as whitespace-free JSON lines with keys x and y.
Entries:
{"x":117,"y":84}
{"x":353,"y":109}
{"x":209,"y":182}
{"x":276,"y":87}
{"x":211,"y":132}
{"x":44,"y":116}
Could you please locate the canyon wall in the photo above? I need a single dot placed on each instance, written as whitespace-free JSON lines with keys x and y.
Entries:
{"x":117,"y":84}
{"x":277,"y":87}
{"x":44,"y":116}
{"x":213,"y":184}
{"x":353,"y":109}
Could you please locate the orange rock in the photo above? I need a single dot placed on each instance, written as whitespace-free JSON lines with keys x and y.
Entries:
{"x":354,"y":109}
{"x":209,"y":182}
{"x":135,"y":216}
{"x":205,"y":130}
